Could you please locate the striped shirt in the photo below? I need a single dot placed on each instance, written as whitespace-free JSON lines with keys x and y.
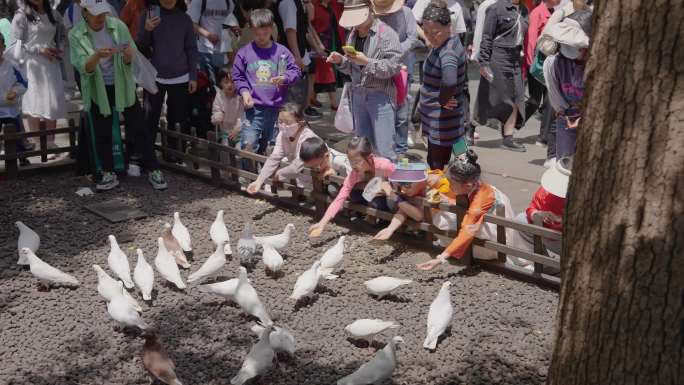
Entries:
{"x":444,"y":78}
{"x":384,"y":54}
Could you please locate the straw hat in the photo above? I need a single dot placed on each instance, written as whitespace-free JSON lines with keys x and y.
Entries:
{"x":355,"y":13}
{"x":555,"y":180}
{"x":386,"y":7}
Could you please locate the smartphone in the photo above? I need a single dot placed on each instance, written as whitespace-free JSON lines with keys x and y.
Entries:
{"x":120,"y":47}
{"x":154,"y":11}
{"x":349,"y":50}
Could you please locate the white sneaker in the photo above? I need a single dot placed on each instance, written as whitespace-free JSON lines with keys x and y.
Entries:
{"x":550,"y":163}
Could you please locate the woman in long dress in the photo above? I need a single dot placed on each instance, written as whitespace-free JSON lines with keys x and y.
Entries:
{"x":36,"y":25}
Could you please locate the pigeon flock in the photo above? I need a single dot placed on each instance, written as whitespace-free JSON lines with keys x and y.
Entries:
{"x":173,"y":244}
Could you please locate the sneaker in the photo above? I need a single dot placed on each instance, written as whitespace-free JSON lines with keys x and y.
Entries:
{"x":156,"y":179}
{"x":107,"y":182}
{"x":540,"y":142}
{"x":550,"y":163}
{"x":311,"y":112}
{"x":509,"y":144}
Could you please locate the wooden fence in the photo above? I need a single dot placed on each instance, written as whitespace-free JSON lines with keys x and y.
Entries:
{"x":221,"y":165}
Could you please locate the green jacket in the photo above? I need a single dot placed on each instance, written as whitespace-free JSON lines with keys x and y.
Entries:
{"x":92,"y":84}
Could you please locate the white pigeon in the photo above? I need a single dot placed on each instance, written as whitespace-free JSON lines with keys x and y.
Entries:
{"x":279,"y":241}
{"x":27,"y":238}
{"x":225,"y":289}
{"x":381,"y":286}
{"x":368,"y":328}
{"x":272,"y":258}
{"x":246,"y":245}
{"x":378,"y":369}
{"x":166,"y":265}
{"x":439,"y":316}
{"x":45,"y":273}
{"x":118,"y":263}
{"x":181,"y":233}
{"x":143,"y":275}
{"x":307,"y":282}
{"x":248,"y":299}
{"x":258,"y":361}
{"x":122,"y":312}
{"x":213,"y":264}
{"x":332,"y":259}
{"x":219,"y":233}
{"x":173,"y":247}
{"x":281,"y":339}
{"x":108,"y":287}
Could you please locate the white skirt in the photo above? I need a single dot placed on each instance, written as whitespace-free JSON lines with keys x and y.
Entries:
{"x":45,"y":97}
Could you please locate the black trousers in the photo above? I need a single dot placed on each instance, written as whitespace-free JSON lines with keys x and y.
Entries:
{"x":136,"y":134}
{"x":537,"y":93}
{"x":177,"y":109}
{"x":438,"y":156}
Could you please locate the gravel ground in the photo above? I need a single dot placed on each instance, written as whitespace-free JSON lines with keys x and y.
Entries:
{"x":502,"y":329}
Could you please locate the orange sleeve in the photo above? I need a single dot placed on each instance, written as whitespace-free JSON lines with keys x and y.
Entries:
{"x":481,"y":203}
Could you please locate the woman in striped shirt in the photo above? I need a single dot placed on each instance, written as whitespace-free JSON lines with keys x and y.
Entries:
{"x":442,"y":98}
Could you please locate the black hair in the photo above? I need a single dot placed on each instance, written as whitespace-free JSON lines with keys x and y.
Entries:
{"x":312,"y":148}
{"x":465,"y":171}
{"x":223,"y":73}
{"x":261,"y":18}
{"x":583,"y":18}
{"x":360,"y":145}
{"x":2,"y":39}
{"x":295,"y":109}
{"x":7,"y":9}
{"x":32,"y":13}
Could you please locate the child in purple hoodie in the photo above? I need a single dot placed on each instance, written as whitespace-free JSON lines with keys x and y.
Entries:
{"x":262,"y":72}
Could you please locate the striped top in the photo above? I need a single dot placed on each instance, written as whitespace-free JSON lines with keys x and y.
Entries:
{"x":383,"y":50}
{"x":444,"y":78}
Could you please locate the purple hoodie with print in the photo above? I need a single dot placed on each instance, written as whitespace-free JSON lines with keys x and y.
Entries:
{"x":254,"y":68}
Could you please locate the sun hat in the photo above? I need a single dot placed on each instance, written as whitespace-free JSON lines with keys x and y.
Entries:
{"x":555,"y":180}
{"x":405,"y":172}
{"x":386,"y":7}
{"x":95,"y":7}
{"x":355,"y":13}
{"x":570,"y":33}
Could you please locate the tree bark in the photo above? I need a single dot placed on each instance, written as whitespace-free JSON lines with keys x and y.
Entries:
{"x":621,"y":315}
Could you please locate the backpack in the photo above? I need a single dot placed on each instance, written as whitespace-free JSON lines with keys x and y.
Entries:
{"x":204,"y":7}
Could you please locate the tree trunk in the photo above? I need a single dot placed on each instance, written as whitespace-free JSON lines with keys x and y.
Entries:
{"x":621,"y":316}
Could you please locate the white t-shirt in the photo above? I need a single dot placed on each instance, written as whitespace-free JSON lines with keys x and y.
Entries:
{"x":288,"y":14}
{"x":102,"y":39}
{"x":212,"y":20}
{"x":457,"y":21}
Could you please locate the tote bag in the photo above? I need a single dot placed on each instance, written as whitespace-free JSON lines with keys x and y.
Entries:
{"x":144,"y":73}
{"x":344,"y":121}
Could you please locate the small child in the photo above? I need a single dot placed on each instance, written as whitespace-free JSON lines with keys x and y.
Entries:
{"x":364,"y":166}
{"x":316,"y":155}
{"x":12,"y":86}
{"x":227,"y":110}
{"x":293,"y":131}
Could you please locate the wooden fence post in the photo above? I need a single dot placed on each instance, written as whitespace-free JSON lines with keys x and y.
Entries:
{"x":11,"y":151}
{"x":319,"y":192}
{"x":215,"y":155}
{"x":501,"y":232}
{"x":538,"y":249}
{"x":43,"y":141}
{"x":72,"y":138}
{"x":462,"y":204}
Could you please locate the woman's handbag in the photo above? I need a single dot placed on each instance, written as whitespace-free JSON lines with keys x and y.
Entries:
{"x":537,"y":67}
{"x":344,"y":121}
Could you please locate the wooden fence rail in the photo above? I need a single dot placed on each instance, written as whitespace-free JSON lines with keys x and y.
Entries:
{"x":207,"y":155}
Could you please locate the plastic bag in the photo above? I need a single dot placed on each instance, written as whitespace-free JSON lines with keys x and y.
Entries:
{"x":144,"y":73}
{"x":344,"y":121}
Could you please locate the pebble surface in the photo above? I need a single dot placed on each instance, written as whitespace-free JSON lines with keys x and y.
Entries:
{"x":501,"y":333}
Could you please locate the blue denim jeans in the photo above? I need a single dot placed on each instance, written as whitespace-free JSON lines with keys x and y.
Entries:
{"x":402,"y":125}
{"x":566,"y":139}
{"x":374,"y":118}
{"x":261,"y":129}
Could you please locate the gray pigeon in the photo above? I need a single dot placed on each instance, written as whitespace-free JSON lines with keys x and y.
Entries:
{"x":246,"y":246}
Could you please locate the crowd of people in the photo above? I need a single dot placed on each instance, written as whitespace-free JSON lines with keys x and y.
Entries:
{"x":253,"y":69}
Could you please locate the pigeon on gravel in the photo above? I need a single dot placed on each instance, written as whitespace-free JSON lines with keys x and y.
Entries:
{"x":108,"y":287}
{"x":225,"y":289}
{"x":279,"y":241}
{"x":45,"y":273}
{"x":332,"y":259}
{"x":166,"y":265}
{"x":258,"y":361}
{"x":181,"y":233}
{"x":439,"y":316}
{"x":281,"y":339}
{"x":246,"y":246}
{"x":368,"y":328}
{"x":157,"y":361}
{"x":212,"y":265}
{"x":307,"y":282}
{"x":173,"y":246}
{"x":377,"y":369}
{"x":272,"y":258}
{"x":219,"y":233}
{"x":143,"y":275}
{"x":381,"y":286}
{"x":248,"y":299}
{"x":122,"y":312}
{"x":118,"y":263}
{"x":27,"y":238}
